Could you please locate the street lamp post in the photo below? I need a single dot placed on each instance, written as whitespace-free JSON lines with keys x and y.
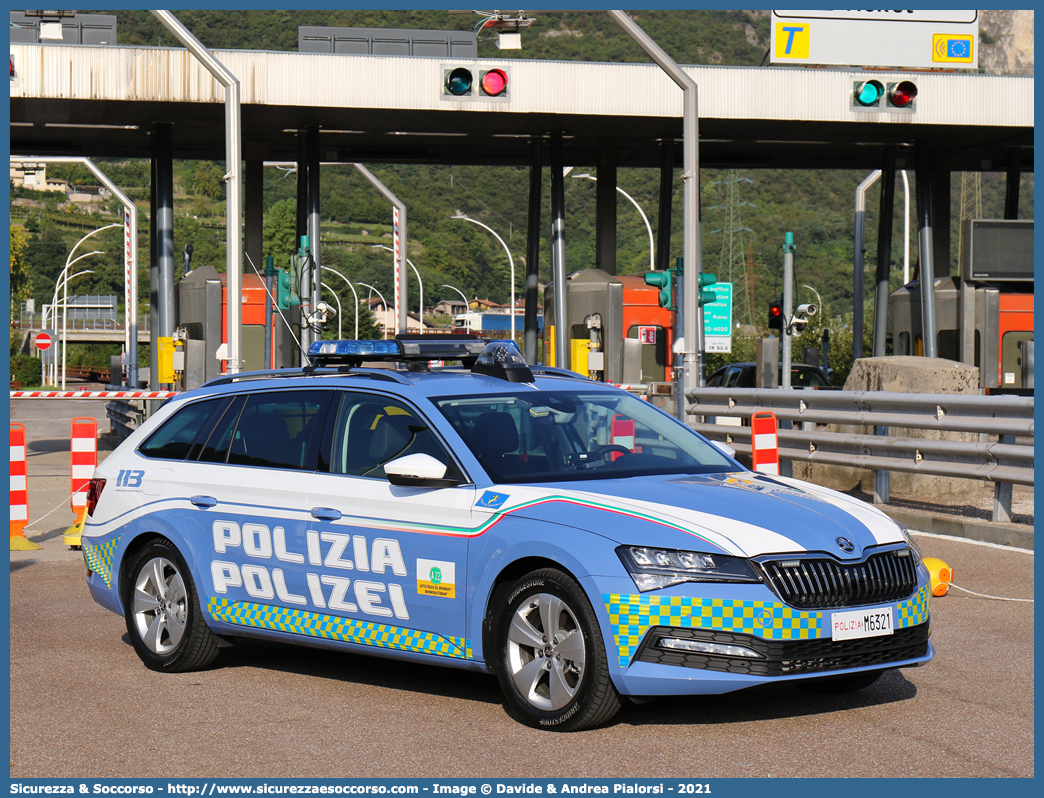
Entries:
{"x":453,"y":288}
{"x":384,"y":323}
{"x":65,"y":315}
{"x":62,"y":284}
{"x":354,"y":293}
{"x":652,"y":259}
{"x":511,"y":263}
{"x":420,"y":283}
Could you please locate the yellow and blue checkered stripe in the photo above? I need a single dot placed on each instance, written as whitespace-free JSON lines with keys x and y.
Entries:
{"x":333,"y":627}
{"x":914,"y":611}
{"x":99,"y":559}
{"x":632,"y":616}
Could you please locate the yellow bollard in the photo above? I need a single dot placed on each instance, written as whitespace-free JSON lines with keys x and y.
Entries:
{"x":941,"y":573}
{"x":72,"y":534}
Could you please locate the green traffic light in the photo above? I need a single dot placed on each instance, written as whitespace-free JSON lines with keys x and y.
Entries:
{"x":663,"y":281}
{"x":869,"y":92}
{"x":459,"y":82}
{"x":284,"y":292}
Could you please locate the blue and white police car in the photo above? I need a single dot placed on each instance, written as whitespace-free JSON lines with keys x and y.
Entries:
{"x":561,"y":533}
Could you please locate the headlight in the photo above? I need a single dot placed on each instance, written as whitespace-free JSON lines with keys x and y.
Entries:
{"x":652,"y":568}
{"x":909,"y":542}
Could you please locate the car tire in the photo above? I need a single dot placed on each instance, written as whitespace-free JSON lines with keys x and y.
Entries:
{"x":835,"y":685}
{"x":161,"y":608}
{"x":549,"y":655}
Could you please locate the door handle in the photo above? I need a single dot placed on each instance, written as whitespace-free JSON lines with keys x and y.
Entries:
{"x":326,"y":513}
{"x":203,"y":501}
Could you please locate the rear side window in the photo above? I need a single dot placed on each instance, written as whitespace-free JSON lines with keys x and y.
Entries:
{"x":173,"y":440}
{"x":275,"y":429}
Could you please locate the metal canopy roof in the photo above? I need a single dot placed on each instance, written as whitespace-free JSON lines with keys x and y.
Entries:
{"x":102,"y":102}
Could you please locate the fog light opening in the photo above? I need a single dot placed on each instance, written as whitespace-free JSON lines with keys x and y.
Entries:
{"x":703,"y":647}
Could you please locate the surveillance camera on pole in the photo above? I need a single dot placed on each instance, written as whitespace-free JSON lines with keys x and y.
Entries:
{"x":807,"y":310}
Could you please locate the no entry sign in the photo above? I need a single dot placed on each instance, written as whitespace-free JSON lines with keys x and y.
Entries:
{"x":43,"y":341}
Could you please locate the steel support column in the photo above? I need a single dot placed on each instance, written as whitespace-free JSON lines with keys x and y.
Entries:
{"x":859,"y":265}
{"x":558,"y":255}
{"x":313,"y":221}
{"x":161,"y":273}
{"x":926,"y":245}
{"x":663,"y":217}
{"x":1011,"y":188}
{"x":884,"y":252}
{"x":254,"y":215}
{"x":536,"y":180}
{"x":605,"y":212}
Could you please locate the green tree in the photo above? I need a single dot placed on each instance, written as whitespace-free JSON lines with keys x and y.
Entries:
{"x":208,"y":181}
{"x":21,"y":281}
{"x":281,"y":232}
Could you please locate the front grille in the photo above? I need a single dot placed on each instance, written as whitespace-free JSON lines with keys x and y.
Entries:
{"x":825,"y":583}
{"x":786,"y":657}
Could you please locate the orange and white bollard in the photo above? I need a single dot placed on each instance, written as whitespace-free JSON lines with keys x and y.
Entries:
{"x":764,"y":442}
{"x":19,"y":491}
{"x":83,"y":459}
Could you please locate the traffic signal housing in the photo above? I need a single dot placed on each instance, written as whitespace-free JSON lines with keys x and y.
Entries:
{"x":284,"y":291}
{"x":897,"y":97}
{"x":471,"y":83}
{"x":775,"y":315}
{"x":665,"y":282}
{"x":704,"y":295}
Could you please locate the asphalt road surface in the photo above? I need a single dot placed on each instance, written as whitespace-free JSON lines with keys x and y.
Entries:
{"x":82,"y":705}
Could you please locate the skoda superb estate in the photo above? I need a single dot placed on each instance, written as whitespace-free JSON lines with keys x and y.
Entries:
{"x":524,"y":521}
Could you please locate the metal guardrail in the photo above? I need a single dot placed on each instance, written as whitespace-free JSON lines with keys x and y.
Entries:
{"x":997,"y":422}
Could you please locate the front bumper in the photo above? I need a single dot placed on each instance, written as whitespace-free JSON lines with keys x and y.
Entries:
{"x":786,"y":643}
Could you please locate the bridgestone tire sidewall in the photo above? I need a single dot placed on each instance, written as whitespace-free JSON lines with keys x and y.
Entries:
{"x":191,"y":640}
{"x":585,"y":710}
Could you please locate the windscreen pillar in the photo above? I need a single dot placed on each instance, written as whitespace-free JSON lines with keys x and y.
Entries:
{"x":605,"y":212}
{"x":161,"y":270}
{"x":663,"y":218}
{"x":536,"y":183}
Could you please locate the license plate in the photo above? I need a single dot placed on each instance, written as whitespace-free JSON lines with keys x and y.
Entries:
{"x":874,"y":622}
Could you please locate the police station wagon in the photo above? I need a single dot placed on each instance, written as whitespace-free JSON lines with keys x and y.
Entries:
{"x":561,"y":533}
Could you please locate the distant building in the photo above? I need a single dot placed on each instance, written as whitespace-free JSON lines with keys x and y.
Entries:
{"x":34,"y":176}
{"x":388,"y":319}
{"x":450,"y":307}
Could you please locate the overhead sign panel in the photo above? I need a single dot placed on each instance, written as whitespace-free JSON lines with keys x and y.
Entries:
{"x":904,"y":39}
{"x":717,"y":319}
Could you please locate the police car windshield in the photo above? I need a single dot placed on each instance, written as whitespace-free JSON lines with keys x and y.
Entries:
{"x":546,"y":436}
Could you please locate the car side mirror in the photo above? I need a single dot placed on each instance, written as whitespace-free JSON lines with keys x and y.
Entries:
{"x":418,"y":471}
{"x":725,"y":448}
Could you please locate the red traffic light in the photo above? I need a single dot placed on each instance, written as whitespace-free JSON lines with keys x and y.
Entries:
{"x":902,"y":94}
{"x":775,"y":315}
{"x":494,"y":82}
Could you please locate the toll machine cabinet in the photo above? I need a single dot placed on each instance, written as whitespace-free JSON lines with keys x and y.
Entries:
{"x":985,"y":315}
{"x":591,"y":291}
{"x":201,"y":309}
{"x":198,"y":311}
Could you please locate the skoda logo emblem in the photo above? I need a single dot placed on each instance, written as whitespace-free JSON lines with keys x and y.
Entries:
{"x":846,"y":545}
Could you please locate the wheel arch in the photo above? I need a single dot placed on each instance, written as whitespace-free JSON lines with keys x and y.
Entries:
{"x":129,"y":554}
{"x":510,"y":574}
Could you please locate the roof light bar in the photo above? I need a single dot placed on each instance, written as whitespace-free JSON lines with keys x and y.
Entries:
{"x":401,"y":348}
